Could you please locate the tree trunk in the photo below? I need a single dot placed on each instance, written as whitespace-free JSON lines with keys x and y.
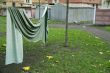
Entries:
{"x":66,"y":28}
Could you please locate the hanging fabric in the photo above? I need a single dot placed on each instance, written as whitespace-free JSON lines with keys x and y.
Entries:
{"x":18,"y":25}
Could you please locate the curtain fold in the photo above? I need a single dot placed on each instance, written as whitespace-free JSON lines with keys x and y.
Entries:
{"x":18,"y":25}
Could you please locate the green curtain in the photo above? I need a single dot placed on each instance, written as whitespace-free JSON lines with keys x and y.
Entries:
{"x":18,"y":25}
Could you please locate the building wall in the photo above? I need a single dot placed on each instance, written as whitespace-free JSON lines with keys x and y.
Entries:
{"x":19,"y":3}
{"x":33,"y":12}
{"x":13,"y":0}
{"x":41,"y":1}
{"x":92,"y":1}
{"x":9,"y":4}
{"x":83,"y":1}
{"x":71,"y":1}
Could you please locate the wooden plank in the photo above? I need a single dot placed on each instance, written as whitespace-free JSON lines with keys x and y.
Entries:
{"x":103,"y":16}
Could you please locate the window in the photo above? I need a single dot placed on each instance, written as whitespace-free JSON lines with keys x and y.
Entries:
{"x":105,"y":4}
{"x":4,"y":3}
{"x":28,"y":1}
{"x":55,"y":1}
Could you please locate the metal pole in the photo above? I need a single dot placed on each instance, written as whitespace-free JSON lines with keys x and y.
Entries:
{"x":66,"y":28}
{"x":39,"y":9}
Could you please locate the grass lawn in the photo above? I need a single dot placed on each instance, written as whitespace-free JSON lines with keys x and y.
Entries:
{"x":86,"y":53}
{"x":2,"y":24}
{"x":107,"y":28}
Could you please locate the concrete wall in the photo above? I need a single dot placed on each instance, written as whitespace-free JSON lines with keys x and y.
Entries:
{"x":58,"y":12}
{"x":81,"y":14}
{"x":76,"y":14}
{"x":37,"y":12}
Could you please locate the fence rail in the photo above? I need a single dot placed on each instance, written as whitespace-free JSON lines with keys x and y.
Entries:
{"x":103,"y":16}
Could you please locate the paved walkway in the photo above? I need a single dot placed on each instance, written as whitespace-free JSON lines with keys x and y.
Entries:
{"x":98,"y":32}
{"x":105,"y":35}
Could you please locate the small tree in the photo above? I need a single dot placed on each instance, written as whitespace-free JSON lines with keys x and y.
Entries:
{"x":66,"y":28}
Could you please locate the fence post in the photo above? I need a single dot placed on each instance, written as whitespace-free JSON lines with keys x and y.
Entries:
{"x":94,"y":14}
